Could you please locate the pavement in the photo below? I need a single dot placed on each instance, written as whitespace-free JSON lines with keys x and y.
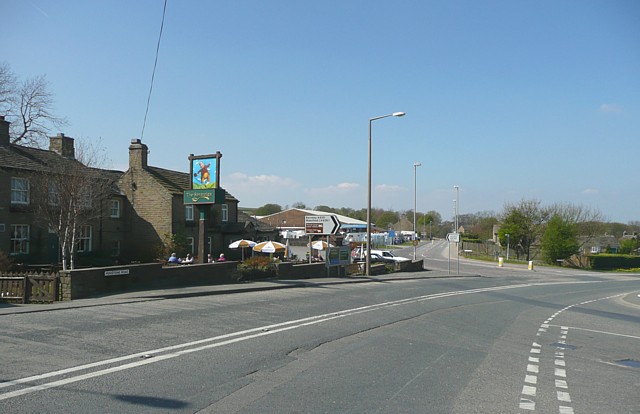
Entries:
{"x":193,"y":291}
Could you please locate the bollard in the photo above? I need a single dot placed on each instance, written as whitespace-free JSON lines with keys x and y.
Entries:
{"x":500,"y":261}
{"x":530,"y":264}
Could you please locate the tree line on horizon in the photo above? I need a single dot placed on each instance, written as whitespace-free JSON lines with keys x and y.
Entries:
{"x":557,"y":231}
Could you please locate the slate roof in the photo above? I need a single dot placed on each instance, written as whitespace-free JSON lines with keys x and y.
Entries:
{"x":18,"y":157}
{"x":259,"y":225}
{"x":176,"y":182}
{"x":31,"y":159}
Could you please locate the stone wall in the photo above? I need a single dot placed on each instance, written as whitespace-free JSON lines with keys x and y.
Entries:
{"x":99,"y":281}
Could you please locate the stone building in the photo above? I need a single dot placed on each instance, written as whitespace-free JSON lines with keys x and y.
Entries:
{"x":133,"y":219}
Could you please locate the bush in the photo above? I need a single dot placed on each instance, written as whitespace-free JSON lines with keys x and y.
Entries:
{"x":6,"y":263}
{"x":257,"y":267}
{"x":613,"y":261}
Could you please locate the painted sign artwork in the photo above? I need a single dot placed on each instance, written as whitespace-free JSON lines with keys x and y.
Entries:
{"x":204,"y":173}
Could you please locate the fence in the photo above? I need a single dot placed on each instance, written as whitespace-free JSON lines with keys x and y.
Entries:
{"x":29,"y":288}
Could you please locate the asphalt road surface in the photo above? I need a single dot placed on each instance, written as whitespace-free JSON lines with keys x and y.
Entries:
{"x":490,"y":340}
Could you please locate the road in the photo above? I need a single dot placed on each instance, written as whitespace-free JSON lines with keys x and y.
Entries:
{"x":492,"y":340}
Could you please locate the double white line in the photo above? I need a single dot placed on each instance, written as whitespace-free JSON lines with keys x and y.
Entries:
{"x":174,"y":351}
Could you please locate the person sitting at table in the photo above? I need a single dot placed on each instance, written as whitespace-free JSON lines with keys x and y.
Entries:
{"x":174,"y":259}
{"x":221,"y":258}
{"x":188,"y":259}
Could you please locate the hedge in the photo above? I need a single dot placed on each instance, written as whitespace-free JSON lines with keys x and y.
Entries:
{"x":614,"y":261}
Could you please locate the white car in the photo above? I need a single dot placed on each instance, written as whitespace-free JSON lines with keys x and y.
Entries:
{"x":390,"y":256}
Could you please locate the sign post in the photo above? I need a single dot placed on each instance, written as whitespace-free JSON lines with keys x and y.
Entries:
{"x":454,"y":238}
{"x":204,"y":190}
{"x":321,"y":226}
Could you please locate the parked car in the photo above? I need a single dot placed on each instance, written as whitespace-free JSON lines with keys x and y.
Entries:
{"x":358,"y":255}
{"x":375,"y":258}
{"x":389,"y":256}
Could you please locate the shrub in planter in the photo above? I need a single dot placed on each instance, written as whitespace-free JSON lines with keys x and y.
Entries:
{"x":257,"y":267}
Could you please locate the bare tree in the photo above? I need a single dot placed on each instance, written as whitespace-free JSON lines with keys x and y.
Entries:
{"x":7,"y":87}
{"x":72,"y":198}
{"x":28,"y":106}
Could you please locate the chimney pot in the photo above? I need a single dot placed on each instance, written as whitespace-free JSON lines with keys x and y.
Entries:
{"x":138,"y":154}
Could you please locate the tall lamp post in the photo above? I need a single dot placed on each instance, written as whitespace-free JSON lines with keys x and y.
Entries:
{"x":507,"y":234}
{"x":457,"y":210}
{"x":457,"y":206}
{"x":368,"y":255}
{"x":415,"y":167}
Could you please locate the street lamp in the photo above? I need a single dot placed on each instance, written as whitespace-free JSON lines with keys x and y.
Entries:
{"x":415,"y":167}
{"x":457,"y":205}
{"x":368,"y":255}
{"x":507,"y":234}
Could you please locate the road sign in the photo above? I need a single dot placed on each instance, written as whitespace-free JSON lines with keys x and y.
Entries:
{"x":321,"y":224}
{"x":453,"y":237}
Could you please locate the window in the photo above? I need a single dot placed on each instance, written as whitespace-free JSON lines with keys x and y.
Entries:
{"x":188,"y":212}
{"x":54,"y":195}
{"x":115,"y":209}
{"x":191,"y":244}
{"x":115,"y":248}
{"x":84,"y":239}
{"x":19,"y":190}
{"x":225,"y":212}
{"x":85,"y":198}
{"x":19,"y":239}
{"x":595,"y":249}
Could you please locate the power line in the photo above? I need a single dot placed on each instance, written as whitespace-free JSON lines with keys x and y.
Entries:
{"x":153,"y":74}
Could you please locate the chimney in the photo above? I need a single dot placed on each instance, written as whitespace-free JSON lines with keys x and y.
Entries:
{"x":137,"y":154}
{"x":62,"y":145}
{"x":4,"y":131}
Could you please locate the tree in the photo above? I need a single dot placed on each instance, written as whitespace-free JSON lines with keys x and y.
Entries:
{"x":385,"y":218}
{"x":628,"y":246}
{"x":559,"y":240}
{"x":432,"y":217}
{"x":325,"y":209}
{"x":173,"y":243}
{"x":28,"y":106}
{"x":483,"y":227}
{"x":267,"y":210}
{"x":72,"y":194}
{"x":299,"y":204}
{"x":524,"y":223}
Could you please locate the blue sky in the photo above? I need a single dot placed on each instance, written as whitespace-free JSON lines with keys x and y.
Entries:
{"x":509,"y":100}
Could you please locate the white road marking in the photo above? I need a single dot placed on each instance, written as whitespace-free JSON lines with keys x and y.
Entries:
{"x":563,"y":396}
{"x":529,"y":390}
{"x":178,"y":350}
{"x":561,"y":383}
{"x":527,"y":404}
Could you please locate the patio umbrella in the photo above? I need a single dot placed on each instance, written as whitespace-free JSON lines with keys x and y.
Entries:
{"x":269,"y":247}
{"x":320,"y":245}
{"x":287,"y":250}
{"x":241,"y":244}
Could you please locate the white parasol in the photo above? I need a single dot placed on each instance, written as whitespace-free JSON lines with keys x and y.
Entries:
{"x":269,"y":247}
{"x":320,"y":245}
{"x":242,"y":244}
